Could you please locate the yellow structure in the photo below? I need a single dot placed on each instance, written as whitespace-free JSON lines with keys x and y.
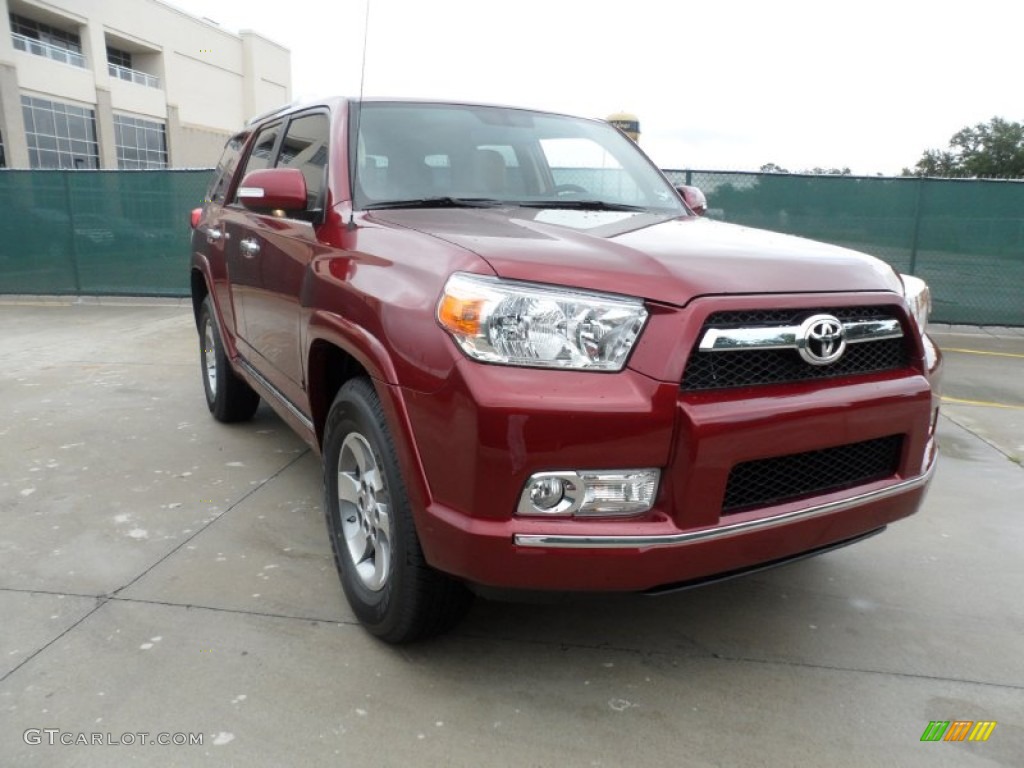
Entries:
{"x":627,"y":123}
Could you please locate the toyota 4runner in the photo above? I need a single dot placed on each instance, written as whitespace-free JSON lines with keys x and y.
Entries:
{"x":528,"y":365}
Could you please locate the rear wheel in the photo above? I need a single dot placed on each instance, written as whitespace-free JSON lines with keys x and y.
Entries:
{"x":390,"y":587}
{"x":228,"y":397}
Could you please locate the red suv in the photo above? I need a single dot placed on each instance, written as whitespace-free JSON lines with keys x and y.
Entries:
{"x":527,"y":365}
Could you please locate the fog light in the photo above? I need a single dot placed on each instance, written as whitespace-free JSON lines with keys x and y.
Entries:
{"x":550,"y":493}
{"x":589,"y":494}
{"x":546,"y":492}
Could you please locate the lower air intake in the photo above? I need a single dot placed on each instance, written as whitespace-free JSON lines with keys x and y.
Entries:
{"x":765,"y":482}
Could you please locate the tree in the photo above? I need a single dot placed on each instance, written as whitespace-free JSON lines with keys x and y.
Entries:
{"x":816,"y":171}
{"x":992,"y":149}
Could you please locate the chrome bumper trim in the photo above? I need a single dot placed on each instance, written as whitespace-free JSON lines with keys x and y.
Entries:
{"x":569,"y":541}
{"x":791,"y":336}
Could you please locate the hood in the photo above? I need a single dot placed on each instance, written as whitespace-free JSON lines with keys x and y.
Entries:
{"x":669,"y":260}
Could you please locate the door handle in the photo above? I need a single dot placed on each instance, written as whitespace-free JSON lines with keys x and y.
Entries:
{"x":213,"y":234}
{"x":249,"y":247}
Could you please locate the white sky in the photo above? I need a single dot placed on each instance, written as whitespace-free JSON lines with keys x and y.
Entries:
{"x":719,"y":84}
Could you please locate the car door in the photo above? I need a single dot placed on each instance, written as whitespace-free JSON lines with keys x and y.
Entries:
{"x":282,"y":247}
{"x":239,"y":236}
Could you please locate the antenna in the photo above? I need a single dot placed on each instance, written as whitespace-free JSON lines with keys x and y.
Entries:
{"x":354,"y":161}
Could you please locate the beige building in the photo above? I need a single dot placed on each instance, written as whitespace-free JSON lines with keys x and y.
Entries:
{"x":127,"y":84}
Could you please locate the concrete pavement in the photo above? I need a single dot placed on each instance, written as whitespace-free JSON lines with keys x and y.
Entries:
{"x":163,"y":573}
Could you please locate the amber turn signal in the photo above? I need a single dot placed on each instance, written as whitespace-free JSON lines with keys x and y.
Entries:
{"x":460,"y":315}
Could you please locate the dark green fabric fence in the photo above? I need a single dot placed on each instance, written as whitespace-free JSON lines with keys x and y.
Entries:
{"x":127,"y":233}
{"x":97,"y":232}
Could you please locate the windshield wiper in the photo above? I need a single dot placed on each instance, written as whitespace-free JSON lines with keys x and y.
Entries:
{"x":436,"y":202}
{"x":580,"y":205}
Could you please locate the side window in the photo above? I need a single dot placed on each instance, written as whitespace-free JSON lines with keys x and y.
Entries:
{"x":262,"y":150}
{"x":305,"y":147}
{"x":226,"y":168}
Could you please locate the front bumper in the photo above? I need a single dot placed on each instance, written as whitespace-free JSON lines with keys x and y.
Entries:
{"x":477,"y":453}
{"x":480,"y":437}
{"x":493,"y":555}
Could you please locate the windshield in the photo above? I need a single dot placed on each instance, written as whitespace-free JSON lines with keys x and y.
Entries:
{"x":412,"y":155}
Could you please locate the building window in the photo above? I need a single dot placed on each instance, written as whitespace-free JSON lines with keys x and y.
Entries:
{"x":3,"y":159}
{"x":119,"y":58}
{"x":119,"y":65}
{"x":140,"y":144}
{"x":43,"y":40}
{"x":59,"y":135}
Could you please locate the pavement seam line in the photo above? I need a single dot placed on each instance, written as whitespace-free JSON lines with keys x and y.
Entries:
{"x":707,"y":653}
{"x":187,"y":606}
{"x":552,"y":643}
{"x":184,"y":542}
{"x":100,"y":602}
{"x":241,"y":611}
{"x":855,"y":670}
{"x":748,"y":660}
{"x":983,"y":439}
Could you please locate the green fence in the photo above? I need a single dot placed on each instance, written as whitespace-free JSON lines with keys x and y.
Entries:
{"x":97,"y":232}
{"x":126,"y":232}
{"x":965,"y":237}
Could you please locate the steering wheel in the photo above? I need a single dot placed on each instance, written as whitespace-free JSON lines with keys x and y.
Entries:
{"x":570,"y":189}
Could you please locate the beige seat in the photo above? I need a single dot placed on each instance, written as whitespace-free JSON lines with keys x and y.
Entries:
{"x":408,"y":177}
{"x":489,"y":173}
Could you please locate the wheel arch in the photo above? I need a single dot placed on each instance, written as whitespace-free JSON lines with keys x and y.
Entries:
{"x":330,"y":363}
{"x":200,"y":290}
{"x":328,"y":367}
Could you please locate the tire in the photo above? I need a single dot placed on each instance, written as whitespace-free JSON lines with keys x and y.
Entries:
{"x":388,"y":584}
{"x":228,"y":397}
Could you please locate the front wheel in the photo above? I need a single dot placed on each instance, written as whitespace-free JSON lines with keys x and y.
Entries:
{"x":228,"y":397}
{"x":389,"y":585}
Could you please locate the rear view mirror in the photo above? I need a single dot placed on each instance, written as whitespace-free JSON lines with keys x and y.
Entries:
{"x":694,"y":199}
{"x":274,"y":189}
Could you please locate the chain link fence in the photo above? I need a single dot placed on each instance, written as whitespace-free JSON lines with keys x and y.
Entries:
{"x":964,"y":237}
{"x":127,"y":233}
{"x":97,"y":232}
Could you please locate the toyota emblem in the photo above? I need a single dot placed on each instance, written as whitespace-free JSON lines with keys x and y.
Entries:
{"x":822,"y":340}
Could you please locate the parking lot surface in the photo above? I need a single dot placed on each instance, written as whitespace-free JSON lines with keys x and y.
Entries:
{"x":164,"y":574}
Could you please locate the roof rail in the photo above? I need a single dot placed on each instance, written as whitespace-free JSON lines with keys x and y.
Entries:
{"x":271,"y":113}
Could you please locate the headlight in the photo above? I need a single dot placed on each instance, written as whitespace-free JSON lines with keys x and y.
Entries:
{"x":919,"y":297}
{"x":524,"y":324}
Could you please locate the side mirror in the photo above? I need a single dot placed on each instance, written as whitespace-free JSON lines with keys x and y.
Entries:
{"x":694,"y":199}
{"x":281,"y":189}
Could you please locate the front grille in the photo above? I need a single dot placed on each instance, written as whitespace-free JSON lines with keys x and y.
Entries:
{"x":764,"y":482}
{"x":719,"y":370}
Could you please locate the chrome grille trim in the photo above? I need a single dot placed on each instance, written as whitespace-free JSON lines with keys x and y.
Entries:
{"x":790,"y":336}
